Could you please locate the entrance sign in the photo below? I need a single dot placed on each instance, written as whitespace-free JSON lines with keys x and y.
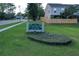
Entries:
{"x":35,"y":31}
{"x":35,"y":26}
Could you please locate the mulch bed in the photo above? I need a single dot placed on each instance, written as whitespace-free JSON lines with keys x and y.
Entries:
{"x":47,"y":38}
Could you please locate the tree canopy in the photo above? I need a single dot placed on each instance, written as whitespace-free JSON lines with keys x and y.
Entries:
{"x":69,"y":11}
{"x":34,"y":11}
{"x":40,"y":11}
{"x":7,"y":10}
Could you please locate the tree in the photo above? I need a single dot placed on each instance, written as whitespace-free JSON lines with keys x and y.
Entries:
{"x":6,"y":9}
{"x":32,"y":11}
{"x":9,"y":7}
{"x":69,"y":11}
{"x":40,"y":10}
{"x":20,"y":15}
{"x":2,"y":8}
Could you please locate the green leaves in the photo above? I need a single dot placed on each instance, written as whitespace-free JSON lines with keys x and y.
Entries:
{"x":34,"y":11}
{"x":7,"y":10}
{"x":69,"y":11}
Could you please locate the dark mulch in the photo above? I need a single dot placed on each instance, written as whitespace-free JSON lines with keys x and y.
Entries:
{"x":48,"y":38}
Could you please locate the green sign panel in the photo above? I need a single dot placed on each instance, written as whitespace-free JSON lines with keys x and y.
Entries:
{"x":35,"y":27}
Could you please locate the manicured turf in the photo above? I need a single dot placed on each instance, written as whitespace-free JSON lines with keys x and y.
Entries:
{"x":14,"y":41}
{"x":3,"y":26}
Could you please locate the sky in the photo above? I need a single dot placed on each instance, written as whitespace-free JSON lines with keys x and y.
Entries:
{"x":23,"y":3}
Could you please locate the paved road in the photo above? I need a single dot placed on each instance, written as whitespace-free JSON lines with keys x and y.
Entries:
{"x":4,"y":22}
{"x":6,"y":28}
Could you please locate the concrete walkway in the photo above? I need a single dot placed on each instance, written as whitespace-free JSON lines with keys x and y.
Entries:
{"x":6,"y":28}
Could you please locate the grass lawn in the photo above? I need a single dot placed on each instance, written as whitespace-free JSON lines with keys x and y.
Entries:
{"x":15,"y":42}
{"x":3,"y":26}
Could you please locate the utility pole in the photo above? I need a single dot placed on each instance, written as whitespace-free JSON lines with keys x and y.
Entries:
{"x":20,"y":11}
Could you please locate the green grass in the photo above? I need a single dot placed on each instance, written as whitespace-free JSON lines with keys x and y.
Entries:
{"x":15,"y":42}
{"x":3,"y":26}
